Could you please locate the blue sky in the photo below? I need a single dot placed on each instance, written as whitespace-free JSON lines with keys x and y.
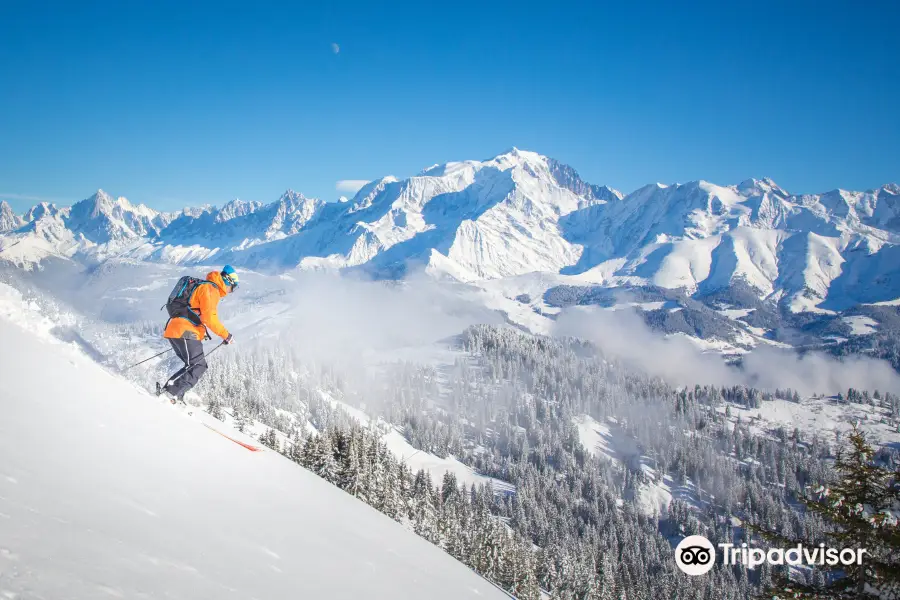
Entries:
{"x":174,"y":106}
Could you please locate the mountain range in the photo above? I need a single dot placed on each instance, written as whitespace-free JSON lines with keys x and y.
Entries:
{"x":514,"y":214}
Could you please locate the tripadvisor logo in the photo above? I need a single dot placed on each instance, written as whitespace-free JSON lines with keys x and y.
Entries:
{"x":695,"y":555}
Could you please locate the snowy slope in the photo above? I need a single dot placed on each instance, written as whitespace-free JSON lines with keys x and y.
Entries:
{"x":819,"y":415}
{"x":608,"y":441}
{"x":105,"y":492}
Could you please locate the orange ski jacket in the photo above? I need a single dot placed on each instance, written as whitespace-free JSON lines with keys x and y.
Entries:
{"x":205,"y":302}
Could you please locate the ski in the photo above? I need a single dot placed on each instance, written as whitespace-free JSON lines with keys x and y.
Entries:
{"x":249,"y":447}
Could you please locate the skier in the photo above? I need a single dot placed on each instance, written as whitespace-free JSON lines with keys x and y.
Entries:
{"x":193,"y":310}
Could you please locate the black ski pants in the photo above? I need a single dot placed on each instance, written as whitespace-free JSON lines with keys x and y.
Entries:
{"x":191,"y":354}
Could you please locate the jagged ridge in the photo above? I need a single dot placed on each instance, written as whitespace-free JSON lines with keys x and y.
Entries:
{"x":521,"y":212}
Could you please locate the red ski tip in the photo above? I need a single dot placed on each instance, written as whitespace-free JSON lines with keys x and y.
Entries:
{"x":247,"y":446}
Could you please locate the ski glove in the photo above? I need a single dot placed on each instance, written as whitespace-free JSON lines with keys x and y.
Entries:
{"x":229,"y":339}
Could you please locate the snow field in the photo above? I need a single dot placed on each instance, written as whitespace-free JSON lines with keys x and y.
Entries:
{"x":106,"y":491}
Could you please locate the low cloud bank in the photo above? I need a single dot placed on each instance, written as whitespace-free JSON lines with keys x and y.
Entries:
{"x":676,"y":359}
{"x":336,"y":317}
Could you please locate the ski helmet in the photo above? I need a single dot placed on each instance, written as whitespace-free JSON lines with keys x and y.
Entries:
{"x":230,"y":277}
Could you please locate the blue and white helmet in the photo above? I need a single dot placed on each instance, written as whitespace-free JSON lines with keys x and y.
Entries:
{"x":230,"y":277}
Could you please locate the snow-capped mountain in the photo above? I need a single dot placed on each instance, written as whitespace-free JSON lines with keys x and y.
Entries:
{"x":8,"y":219}
{"x":101,"y":219}
{"x":40,"y":210}
{"x":242,"y":224}
{"x":521,"y":212}
{"x":702,"y":236}
{"x":472,"y":219}
{"x":211,"y":233}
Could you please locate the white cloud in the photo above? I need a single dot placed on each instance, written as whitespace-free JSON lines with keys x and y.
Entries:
{"x":31,"y":198}
{"x":624,"y":334}
{"x":350,"y":186}
{"x":335,"y":48}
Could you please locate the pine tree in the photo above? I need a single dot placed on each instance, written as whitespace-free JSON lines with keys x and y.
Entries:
{"x":309,"y":451}
{"x":518,"y":572}
{"x":487,"y":549}
{"x":606,"y":579}
{"x":323,"y":463}
{"x":404,"y":483}
{"x":296,"y":449}
{"x":349,"y":467}
{"x":423,"y":507}
{"x":269,"y":438}
{"x":390,"y":498}
{"x":374,"y":482}
{"x":860,"y":508}
{"x":238,"y":417}
{"x":214,"y":408}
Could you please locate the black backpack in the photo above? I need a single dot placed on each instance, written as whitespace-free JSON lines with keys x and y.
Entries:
{"x":179,"y":302}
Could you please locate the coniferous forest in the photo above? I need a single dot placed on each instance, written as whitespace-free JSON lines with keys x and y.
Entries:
{"x":574,"y":524}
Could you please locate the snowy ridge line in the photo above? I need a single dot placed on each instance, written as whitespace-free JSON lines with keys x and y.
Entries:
{"x":515,"y":214}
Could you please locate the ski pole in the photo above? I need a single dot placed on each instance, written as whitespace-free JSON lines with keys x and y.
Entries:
{"x":170,"y":379}
{"x":216,"y":348}
{"x":146,"y":359}
{"x":169,"y":350}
